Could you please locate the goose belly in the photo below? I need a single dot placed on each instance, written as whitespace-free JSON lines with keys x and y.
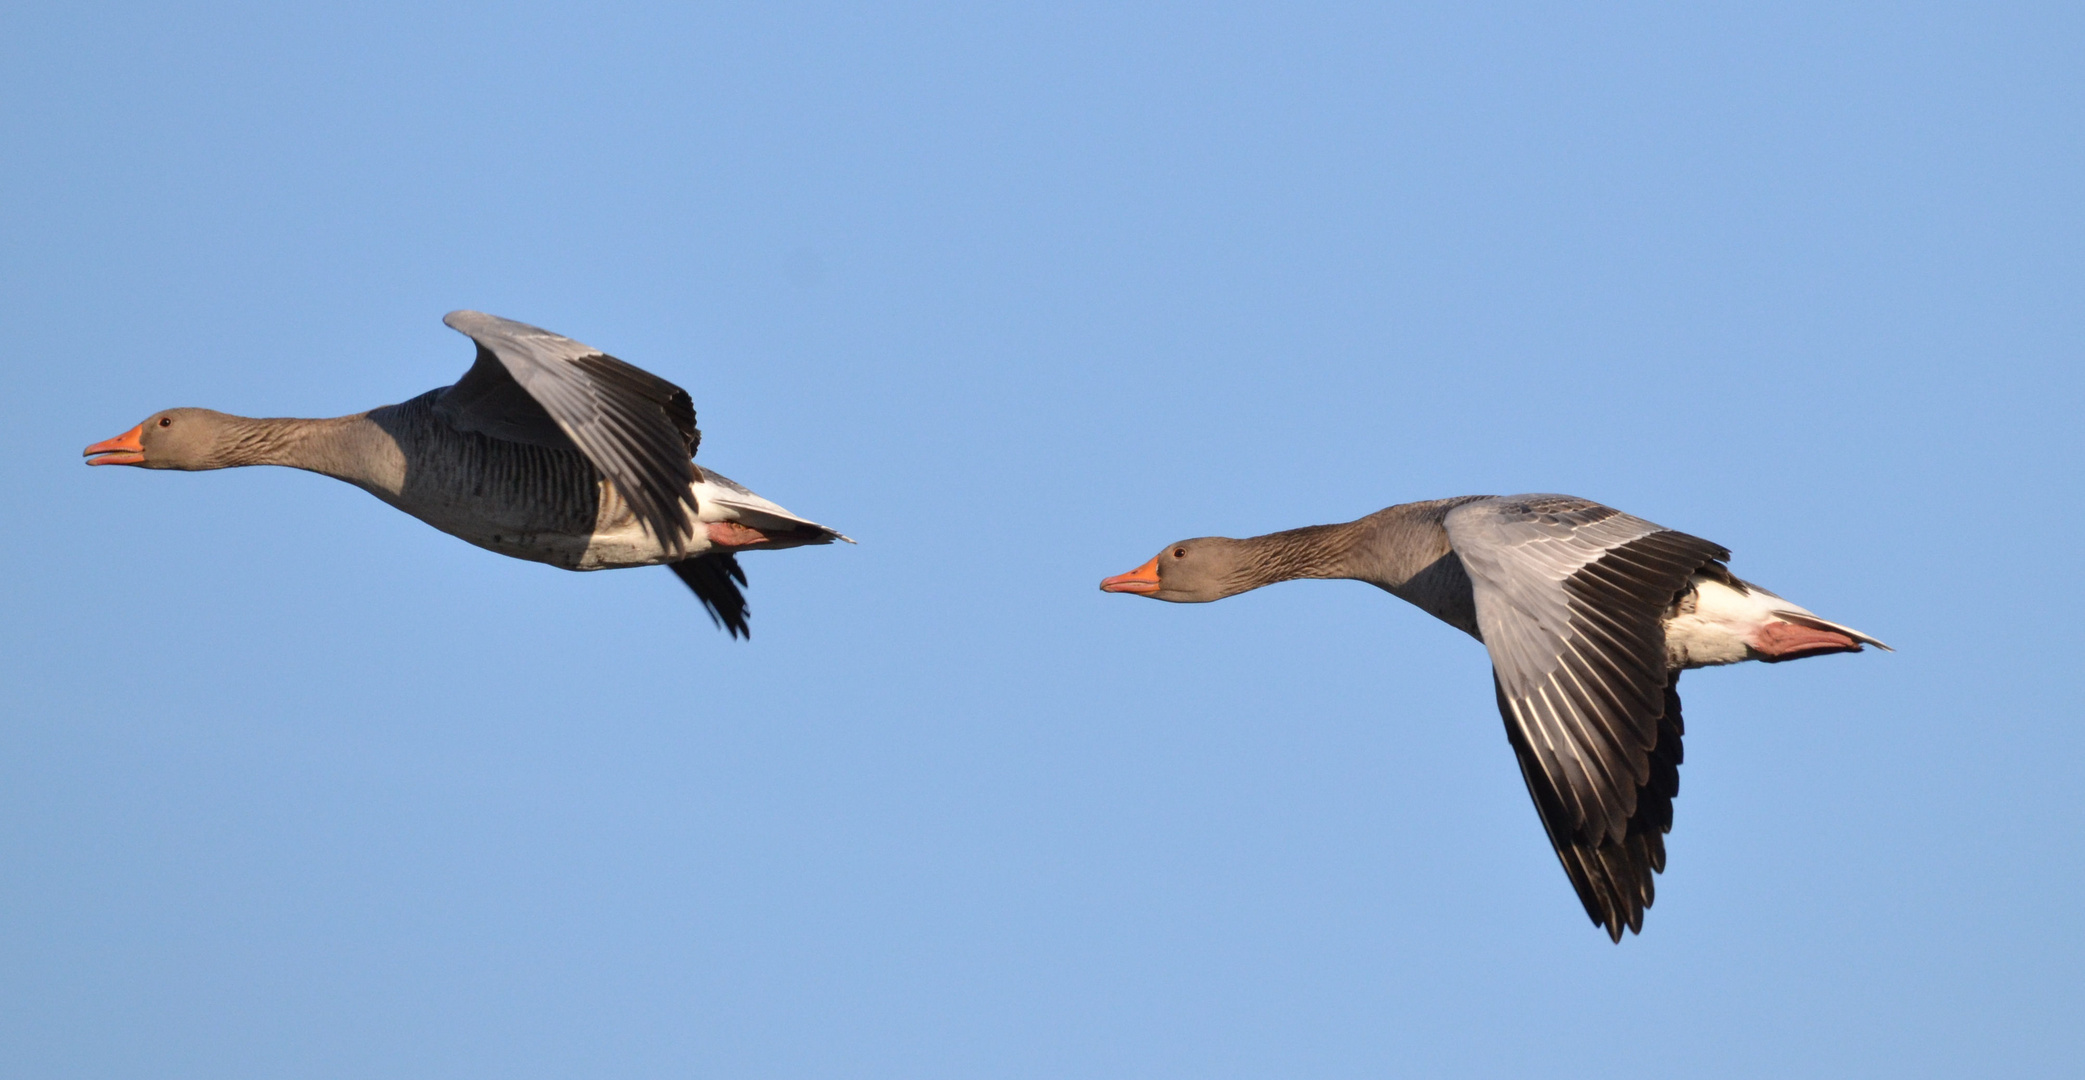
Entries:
{"x":1716,"y":624}
{"x":613,"y":539}
{"x":545,"y":504}
{"x":535,"y":537}
{"x":618,"y":540}
{"x":530,"y":503}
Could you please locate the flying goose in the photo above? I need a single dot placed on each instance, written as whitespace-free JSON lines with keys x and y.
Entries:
{"x":546,"y":450}
{"x":1589,"y":614}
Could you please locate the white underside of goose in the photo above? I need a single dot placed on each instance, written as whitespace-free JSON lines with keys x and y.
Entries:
{"x":1719,"y":624}
{"x":731,"y":518}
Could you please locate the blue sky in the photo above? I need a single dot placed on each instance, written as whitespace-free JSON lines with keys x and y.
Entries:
{"x":292,"y":784}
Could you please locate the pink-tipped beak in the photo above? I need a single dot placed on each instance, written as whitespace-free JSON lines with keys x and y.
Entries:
{"x":125,"y":449}
{"x":1143,"y":580}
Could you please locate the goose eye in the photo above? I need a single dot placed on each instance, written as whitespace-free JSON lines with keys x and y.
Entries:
{"x":166,"y":421}
{"x":1180,"y":553}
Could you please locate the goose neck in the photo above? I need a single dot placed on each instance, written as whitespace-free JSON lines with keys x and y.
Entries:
{"x":335,"y":447}
{"x":1314,"y":551}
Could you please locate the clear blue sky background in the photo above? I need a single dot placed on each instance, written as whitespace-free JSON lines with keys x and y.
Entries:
{"x":294,"y":785}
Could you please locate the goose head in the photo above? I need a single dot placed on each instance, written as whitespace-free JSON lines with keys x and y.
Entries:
{"x":173,"y":439}
{"x":1189,"y":572}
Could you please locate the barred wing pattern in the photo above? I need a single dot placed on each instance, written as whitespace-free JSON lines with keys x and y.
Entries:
{"x":636,"y":428}
{"x":1571,"y":598}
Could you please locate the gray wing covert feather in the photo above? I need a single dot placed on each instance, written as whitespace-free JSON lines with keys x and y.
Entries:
{"x":1571,"y":597}
{"x":488,"y":401}
{"x":636,"y":428}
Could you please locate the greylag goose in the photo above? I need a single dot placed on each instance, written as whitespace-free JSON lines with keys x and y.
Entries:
{"x":1589,"y":614}
{"x":546,"y":449}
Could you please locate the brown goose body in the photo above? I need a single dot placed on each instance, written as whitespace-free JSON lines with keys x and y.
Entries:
{"x":511,"y":459}
{"x":1589,"y":615}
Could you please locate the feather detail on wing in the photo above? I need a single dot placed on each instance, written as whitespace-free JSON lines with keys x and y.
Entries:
{"x":1571,"y":598}
{"x":636,"y":428}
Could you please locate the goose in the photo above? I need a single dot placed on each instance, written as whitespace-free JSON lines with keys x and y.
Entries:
{"x":1589,"y":615}
{"x":546,"y":449}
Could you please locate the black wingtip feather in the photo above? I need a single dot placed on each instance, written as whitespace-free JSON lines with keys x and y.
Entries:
{"x":1615,"y":879}
{"x":715,"y":580}
{"x":1597,"y":735}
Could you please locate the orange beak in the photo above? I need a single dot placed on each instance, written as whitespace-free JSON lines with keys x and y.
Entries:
{"x":125,"y":449}
{"x":1143,"y":580}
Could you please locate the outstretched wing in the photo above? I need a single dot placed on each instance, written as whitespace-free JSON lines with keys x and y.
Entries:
{"x":715,"y":579}
{"x":1571,"y":599}
{"x":636,"y":428}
